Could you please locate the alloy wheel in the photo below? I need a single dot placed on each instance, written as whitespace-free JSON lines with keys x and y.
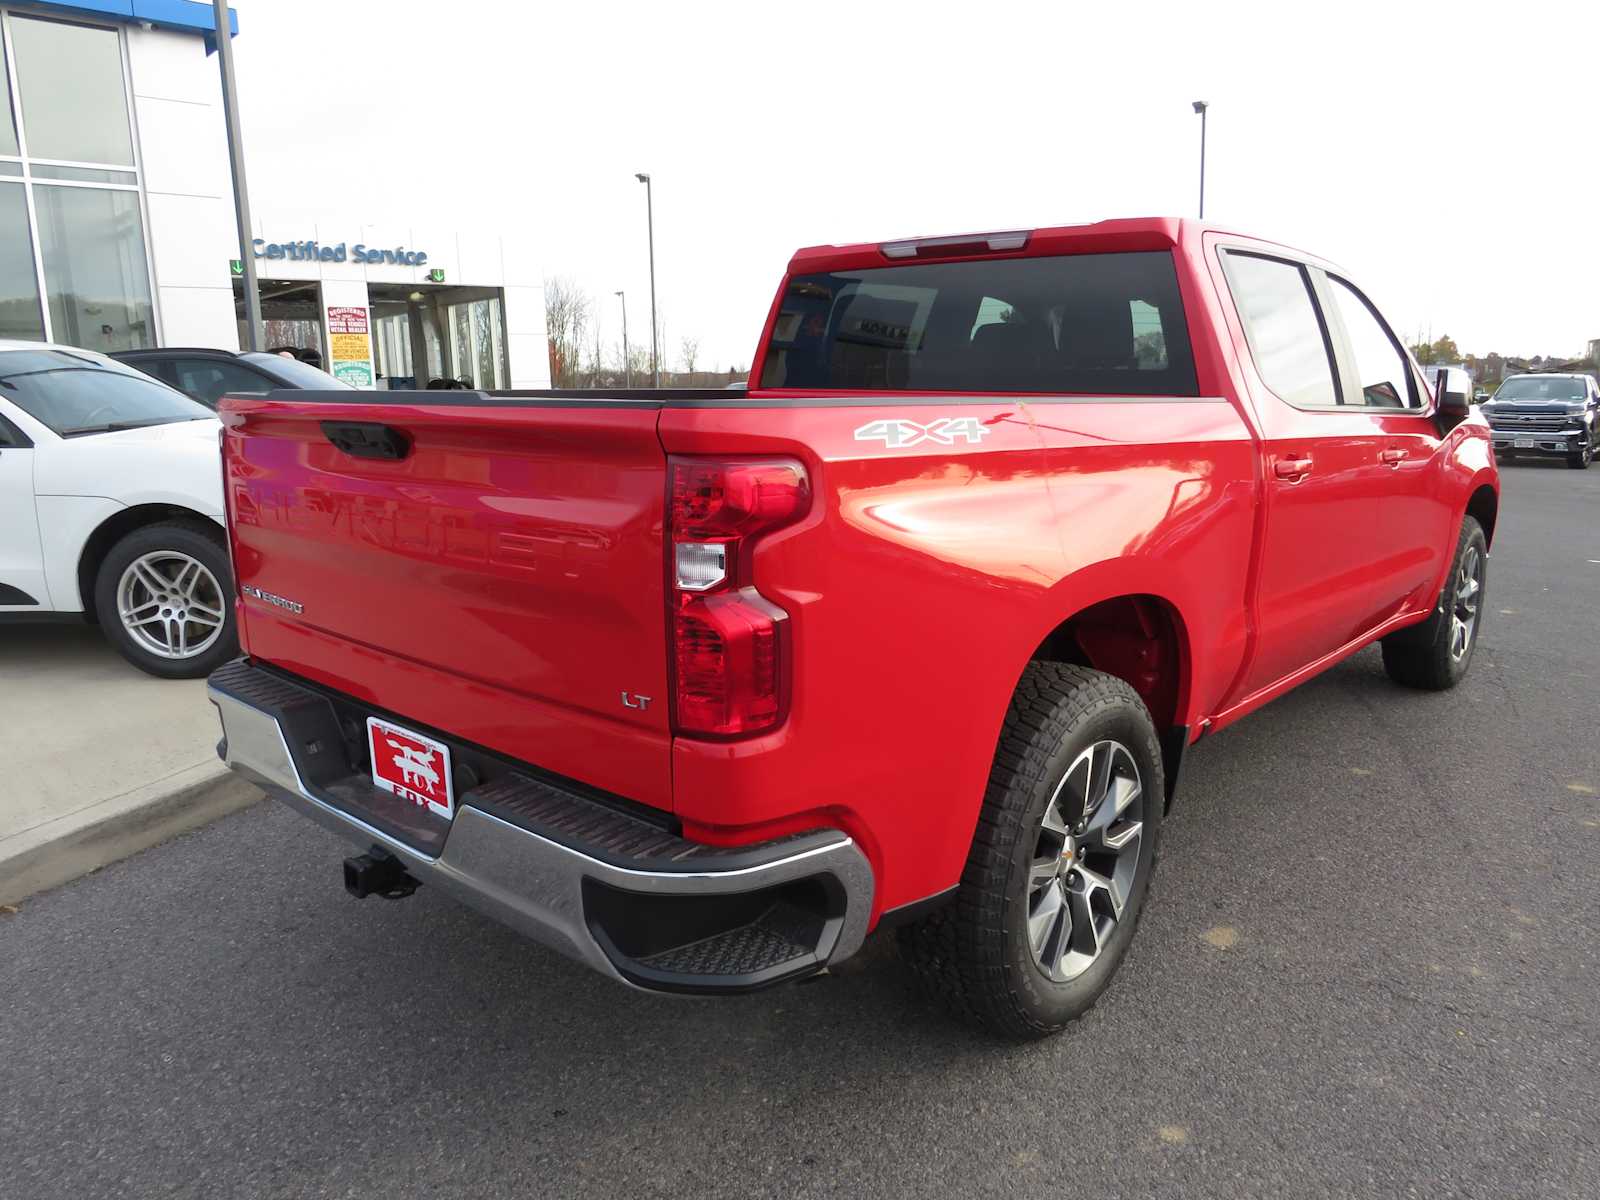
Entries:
{"x":170,"y":604}
{"x":1464,"y":609}
{"x":1085,"y":860}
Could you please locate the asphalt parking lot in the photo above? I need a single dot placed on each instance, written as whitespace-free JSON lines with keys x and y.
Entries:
{"x":1369,"y":969}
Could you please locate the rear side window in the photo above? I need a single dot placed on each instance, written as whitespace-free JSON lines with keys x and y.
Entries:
{"x":1087,"y":324}
{"x":1287,"y":340}
{"x":209,"y":379}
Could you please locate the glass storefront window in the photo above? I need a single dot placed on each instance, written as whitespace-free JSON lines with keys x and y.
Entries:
{"x":478,"y":329}
{"x":463,"y":364}
{"x":8,"y":129}
{"x":69,"y":80}
{"x":482,"y":325}
{"x":96,"y":278}
{"x":19,"y":286}
{"x":84,"y":174}
{"x":89,"y":283}
{"x":434,"y":352}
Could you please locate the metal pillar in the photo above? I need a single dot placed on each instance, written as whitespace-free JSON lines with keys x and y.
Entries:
{"x":650,"y":217}
{"x":241,"y":192}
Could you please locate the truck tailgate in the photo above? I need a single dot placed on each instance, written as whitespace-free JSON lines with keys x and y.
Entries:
{"x":501,"y":580}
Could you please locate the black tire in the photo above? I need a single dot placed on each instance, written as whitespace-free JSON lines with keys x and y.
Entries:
{"x":975,"y":953}
{"x":196,"y":541}
{"x":1425,"y":655}
{"x":1580,"y":461}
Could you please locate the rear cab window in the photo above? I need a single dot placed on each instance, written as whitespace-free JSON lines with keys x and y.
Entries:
{"x":1083,"y":324}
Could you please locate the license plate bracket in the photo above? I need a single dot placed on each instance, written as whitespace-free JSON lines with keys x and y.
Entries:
{"x":412,"y":766}
{"x":1526,"y":443}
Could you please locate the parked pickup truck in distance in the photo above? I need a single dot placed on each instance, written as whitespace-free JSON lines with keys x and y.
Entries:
{"x":1554,"y":415}
{"x":701,"y":688}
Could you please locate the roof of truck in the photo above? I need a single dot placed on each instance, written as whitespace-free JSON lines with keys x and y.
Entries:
{"x":1123,"y":233}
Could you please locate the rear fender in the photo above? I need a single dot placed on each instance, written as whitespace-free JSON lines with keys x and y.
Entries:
{"x":1169,"y":698}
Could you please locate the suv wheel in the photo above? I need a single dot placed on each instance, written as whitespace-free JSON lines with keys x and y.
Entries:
{"x":1436,"y":654}
{"x":163,"y":599}
{"x":1581,"y":460}
{"x":1061,"y":859}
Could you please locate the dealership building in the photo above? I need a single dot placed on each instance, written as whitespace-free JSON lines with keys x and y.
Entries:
{"x":117,"y":222}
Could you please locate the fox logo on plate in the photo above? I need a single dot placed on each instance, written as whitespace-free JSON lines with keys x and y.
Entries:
{"x":413,"y":767}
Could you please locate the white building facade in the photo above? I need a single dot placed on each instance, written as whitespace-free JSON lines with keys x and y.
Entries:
{"x":117,"y":227}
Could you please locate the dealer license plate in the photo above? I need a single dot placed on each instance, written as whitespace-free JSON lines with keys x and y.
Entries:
{"x":413,"y":767}
{"x":1526,"y":443}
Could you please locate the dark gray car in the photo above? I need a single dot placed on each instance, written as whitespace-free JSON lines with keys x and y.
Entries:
{"x":208,"y":375}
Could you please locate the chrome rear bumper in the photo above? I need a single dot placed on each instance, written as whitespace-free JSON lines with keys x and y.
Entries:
{"x":791,"y":905}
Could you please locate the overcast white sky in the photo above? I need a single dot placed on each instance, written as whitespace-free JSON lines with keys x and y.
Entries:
{"x":1448,"y":155}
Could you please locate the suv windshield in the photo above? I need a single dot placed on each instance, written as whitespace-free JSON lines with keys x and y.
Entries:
{"x":295,"y":373}
{"x":1541,"y":387}
{"x":73,"y":394}
{"x":1094,"y":324}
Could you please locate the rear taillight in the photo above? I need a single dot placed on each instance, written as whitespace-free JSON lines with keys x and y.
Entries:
{"x":727,"y":639}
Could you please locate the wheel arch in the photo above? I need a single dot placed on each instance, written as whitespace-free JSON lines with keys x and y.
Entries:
{"x":1141,"y":638}
{"x":1484,"y":505}
{"x":116,"y":527}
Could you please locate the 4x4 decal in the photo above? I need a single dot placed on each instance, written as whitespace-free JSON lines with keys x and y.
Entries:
{"x":901,"y":434}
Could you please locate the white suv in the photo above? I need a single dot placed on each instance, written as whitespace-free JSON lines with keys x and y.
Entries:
{"x":111,"y":508}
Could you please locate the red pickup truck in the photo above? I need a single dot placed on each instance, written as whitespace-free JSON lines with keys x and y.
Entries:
{"x":701,"y":688}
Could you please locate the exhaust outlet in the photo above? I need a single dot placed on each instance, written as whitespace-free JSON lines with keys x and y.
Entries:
{"x":377,"y":873}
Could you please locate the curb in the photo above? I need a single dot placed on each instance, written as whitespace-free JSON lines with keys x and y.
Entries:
{"x":73,"y":846}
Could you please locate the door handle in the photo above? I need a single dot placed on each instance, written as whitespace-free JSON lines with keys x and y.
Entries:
{"x":1393,"y":457}
{"x":1291,"y":468}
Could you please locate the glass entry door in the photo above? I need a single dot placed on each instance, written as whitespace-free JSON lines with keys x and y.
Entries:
{"x":460,"y":332}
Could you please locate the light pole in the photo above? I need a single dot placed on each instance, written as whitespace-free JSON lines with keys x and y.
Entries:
{"x":1200,"y":107}
{"x":650,"y":218}
{"x":241,"y":194}
{"x":627,"y":363}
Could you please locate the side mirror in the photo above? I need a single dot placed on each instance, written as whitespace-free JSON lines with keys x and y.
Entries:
{"x":1454,"y":389}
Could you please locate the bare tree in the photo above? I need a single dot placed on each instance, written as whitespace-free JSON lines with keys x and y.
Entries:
{"x":638,"y":362}
{"x":566,"y":313}
{"x":690,"y":349}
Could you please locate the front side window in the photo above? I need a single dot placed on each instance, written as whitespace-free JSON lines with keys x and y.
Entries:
{"x":1149,"y":339}
{"x":94,"y":268}
{"x":19,"y":284}
{"x":76,"y":395}
{"x":1281,"y":324}
{"x":1381,"y":369}
{"x":1085,"y":324}
{"x":69,"y":84}
{"x":991,"y":312}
